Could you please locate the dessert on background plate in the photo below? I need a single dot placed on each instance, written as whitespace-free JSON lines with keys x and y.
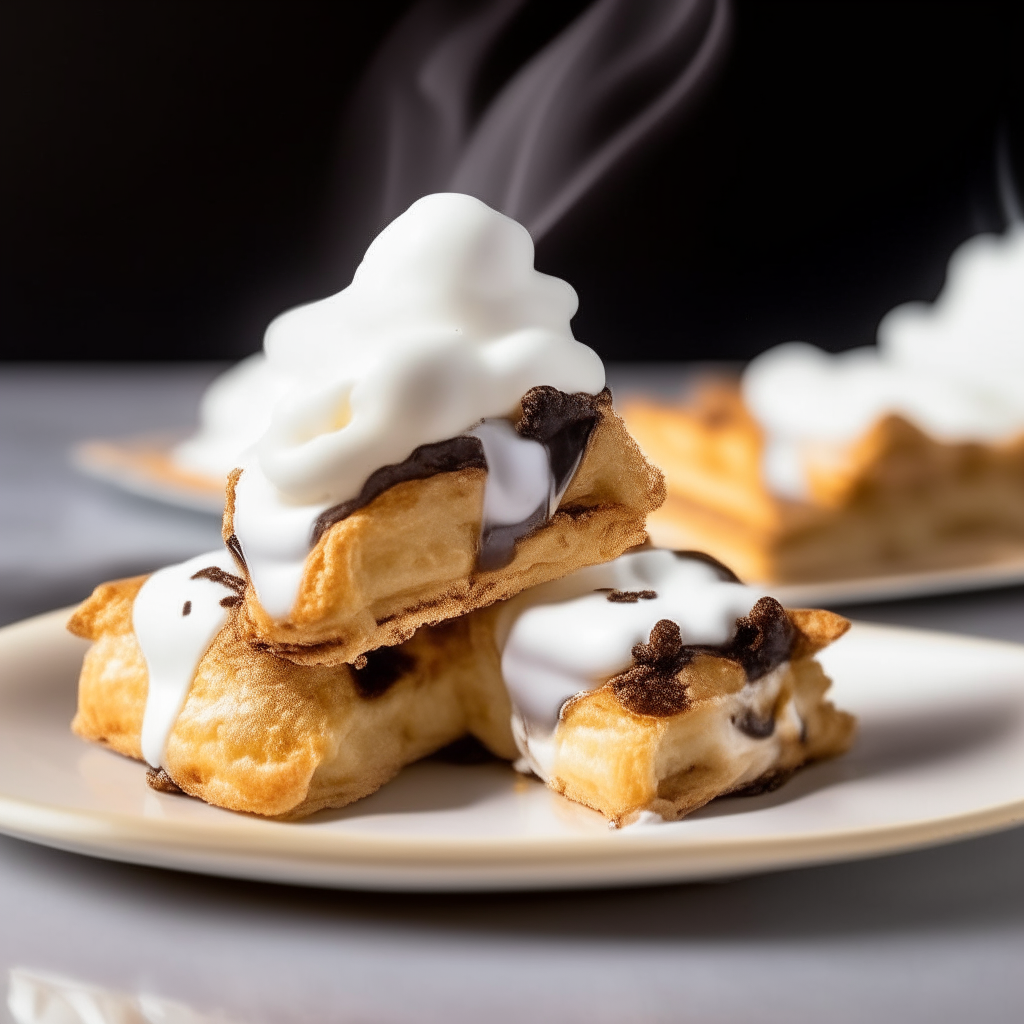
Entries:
{"x":646,"y":686}
{"x":428,"y":541}
{"x":901,"y":458}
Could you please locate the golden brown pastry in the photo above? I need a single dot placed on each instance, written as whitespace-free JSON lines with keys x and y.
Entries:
{"x":415,"y":553}
{"x":721,"y":695}
{"x":896,"y":500}
{"x":261,"y":734}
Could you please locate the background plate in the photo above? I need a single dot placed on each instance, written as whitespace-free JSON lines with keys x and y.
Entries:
{"x":940,"y":755}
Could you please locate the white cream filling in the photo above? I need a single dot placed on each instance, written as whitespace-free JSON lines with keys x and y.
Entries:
{"x":276,"y":536}
{"x":955,"y":368}
{"x":565,"y":637}
{"x":175,"y":619}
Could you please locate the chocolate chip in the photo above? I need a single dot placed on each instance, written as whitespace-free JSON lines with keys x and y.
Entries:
{"x":380,"y":670}
{"x":186,"y":608}
{"x":751,"y":724}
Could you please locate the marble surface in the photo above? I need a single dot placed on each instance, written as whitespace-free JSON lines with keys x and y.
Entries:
{"x":934,"y":936}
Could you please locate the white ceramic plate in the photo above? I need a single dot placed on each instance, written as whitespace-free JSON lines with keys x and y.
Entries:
{"x":134,"y":465}
{"x":940,"y":756}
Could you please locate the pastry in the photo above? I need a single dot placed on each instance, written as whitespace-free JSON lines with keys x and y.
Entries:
{"x":169,"y":680}
{"x":652,"y":684}
{"x":657,"y":682}
{"x":441,"y":441}
{"x":903,"y":458}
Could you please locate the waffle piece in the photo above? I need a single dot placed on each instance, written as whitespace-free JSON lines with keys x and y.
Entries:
{"x":261,"y":734}
{"x":412,"y":554}
{"x":894,"y":501}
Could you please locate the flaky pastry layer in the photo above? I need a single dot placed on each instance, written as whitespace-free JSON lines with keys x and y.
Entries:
{"x":261,"y":734}
{"x":894,"y":501}
{"x":409,"y":557}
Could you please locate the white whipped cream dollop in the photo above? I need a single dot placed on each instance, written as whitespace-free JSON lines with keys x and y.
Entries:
{"x":954,"y":368}
{"x":565,"y":637}
{"x":446,"y":324}
{"x":234,"y":414}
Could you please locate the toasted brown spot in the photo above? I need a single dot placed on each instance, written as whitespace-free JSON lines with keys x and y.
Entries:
{"x":158,"y":779}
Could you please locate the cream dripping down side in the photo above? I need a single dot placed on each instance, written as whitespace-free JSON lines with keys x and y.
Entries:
{"x":954,"y":367}
{"x":445,"y":327}
{"x":176,"y":615}
{"x":566,"y":637}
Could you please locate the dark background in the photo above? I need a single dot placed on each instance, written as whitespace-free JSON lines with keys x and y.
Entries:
{"x":168,"y":172}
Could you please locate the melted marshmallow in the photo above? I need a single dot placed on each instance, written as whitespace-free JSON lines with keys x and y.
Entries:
{"x":565,"y":638}
{"x":955,"y":368}
{"x":173,"y":642}
{"x":445,"y":327}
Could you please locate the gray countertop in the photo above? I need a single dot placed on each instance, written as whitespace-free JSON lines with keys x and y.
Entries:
{"x":935,"y":936}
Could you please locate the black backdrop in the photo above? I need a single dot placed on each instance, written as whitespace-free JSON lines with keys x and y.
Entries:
{"x":168,"y":170}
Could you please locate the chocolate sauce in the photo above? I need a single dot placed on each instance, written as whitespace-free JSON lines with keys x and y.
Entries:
{"x":379,"y":670}
{"x":563,"y":424}
{"x":762,"y":642}
{"x":498,"y":543}
{"x":429,"y":459}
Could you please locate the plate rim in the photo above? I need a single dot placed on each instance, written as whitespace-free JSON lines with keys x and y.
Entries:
{"x":286,"y":852}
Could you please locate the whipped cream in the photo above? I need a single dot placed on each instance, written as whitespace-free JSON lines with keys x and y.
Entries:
{"x":444,"y":328}
{"x":564,"y":638}
{"x":954,"y":368}
{"x":234,"y":414}
{"x":176,"y":615}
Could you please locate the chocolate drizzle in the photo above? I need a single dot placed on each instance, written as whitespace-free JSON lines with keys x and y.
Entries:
{"x":225,"y":579}
{"x":429,"y":459}
{"x":631,"y":596}
{"x":235,"y":547}
{"x":377,"y":671}
{"x":762,"y":642}
{"x":563,"y":424}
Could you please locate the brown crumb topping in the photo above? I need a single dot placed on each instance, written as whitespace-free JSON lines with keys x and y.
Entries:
{"x":651,"y":686}
{"x":762,"y":641}
{"x":631,"y":596}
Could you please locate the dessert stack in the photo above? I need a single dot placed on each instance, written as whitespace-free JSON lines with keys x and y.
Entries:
{"x":442,"y":533}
